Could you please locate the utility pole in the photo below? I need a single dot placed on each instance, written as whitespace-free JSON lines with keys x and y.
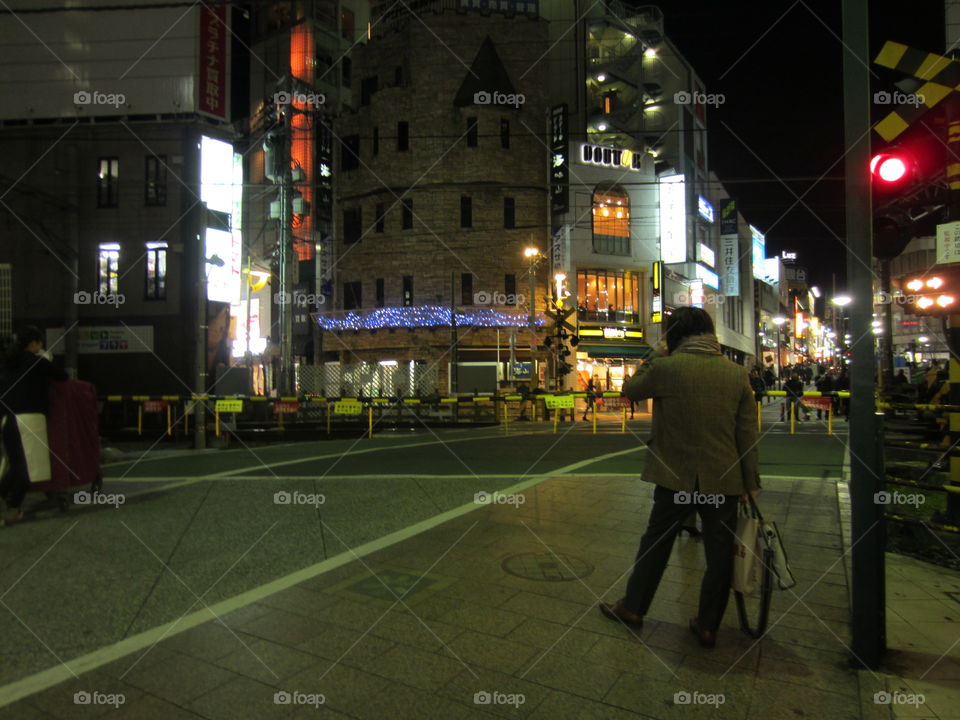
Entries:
{"x":454,"y":385}
{"x":277,"y":169}
{"x":200,"y":390}
{"x":868,"y":537}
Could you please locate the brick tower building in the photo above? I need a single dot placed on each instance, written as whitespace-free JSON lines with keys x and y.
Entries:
{"x":441,"y":187}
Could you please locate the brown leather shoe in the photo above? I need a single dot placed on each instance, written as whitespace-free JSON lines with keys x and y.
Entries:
{"x":707,"y":638}
{"x":619,"y":613}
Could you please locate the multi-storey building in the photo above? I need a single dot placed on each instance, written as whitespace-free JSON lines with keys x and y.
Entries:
{"x":108,"y":158}
{"x":441,"y":187}
{"x":587,"y":145}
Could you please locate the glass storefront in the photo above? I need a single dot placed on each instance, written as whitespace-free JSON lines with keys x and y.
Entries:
{"x":608,"y":296}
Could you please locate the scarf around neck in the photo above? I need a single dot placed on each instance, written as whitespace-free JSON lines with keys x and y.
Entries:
{"x":705,"y":343}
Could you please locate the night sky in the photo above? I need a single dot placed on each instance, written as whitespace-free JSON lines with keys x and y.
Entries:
{"x":779,"y":66}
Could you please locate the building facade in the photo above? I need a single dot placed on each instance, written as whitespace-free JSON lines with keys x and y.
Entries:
{"x":104,"y":185}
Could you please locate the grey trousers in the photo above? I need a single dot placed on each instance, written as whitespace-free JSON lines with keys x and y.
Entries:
{"x":666,"y":519}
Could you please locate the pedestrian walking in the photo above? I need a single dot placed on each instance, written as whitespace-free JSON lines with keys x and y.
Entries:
{"x":824,"y":385}
{"x":702,"y":456}
{"x":24,"y":390}
{"x":757,"y":384}
{"x":769,"y":379}
{"x":794,"y":388}
{"x":593,"y":388}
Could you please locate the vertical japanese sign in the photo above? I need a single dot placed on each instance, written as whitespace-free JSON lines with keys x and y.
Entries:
{"x":560,"y":249}
{"x":212,"y":84}
{"x":729,"y":249}
{"x":559,"y":161}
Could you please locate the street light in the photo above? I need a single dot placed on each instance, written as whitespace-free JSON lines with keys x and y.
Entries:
{"x":779,"y":320}
{"x":842,"y":300}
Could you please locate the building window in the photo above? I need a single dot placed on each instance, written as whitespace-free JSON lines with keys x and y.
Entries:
{"x":611,"y":220}
{"x":108,"y":269}
{"x":353,"y":295}
{"x":350,"y":152}
{"x":466,"y":289}
{"x":368,"y":86}
{"x":608,"y":296}
{"x":156,"y":271}
{"x":380,"y":293}
{"x":504,"y":133}
{"x":346,"y":70}
{"x":403,"y":136}
{"x":509,"y":212}
{"x":510,"y":289}
{"x":352,"y":225}
{"x":466,"y":211}
{"x":407,"y":290}
{"x":407,"y":215}
{"x":347,"y":25}
{"x":381,"y":211}
{"x":376,"y":140}
{"x":472,"y":132}
{"x":155,"y":180}
{"x":108,"y":182}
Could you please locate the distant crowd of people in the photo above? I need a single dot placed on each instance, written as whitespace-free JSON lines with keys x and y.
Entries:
{"x":799,"y":378}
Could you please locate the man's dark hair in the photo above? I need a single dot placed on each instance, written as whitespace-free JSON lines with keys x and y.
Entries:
{"x":684,"y":322}
{"x":27,"y":335}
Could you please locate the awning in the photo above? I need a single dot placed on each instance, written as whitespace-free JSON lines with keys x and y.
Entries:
{"x":616,"y":351}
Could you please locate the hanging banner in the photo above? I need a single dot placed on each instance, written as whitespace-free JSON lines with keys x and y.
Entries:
{"x":560,"y":249}
{"x":559,"y":161}
{"x":213,"y":87}
{"x":730,"y":265}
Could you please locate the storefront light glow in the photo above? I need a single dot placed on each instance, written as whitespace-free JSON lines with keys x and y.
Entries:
{"x":421,"y":317}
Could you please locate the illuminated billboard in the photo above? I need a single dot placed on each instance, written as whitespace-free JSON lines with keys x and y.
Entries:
{"x":221,"y":188}
{"x":708,"y":277}
{"x":759,"y":253}
{"x":673,"y":219}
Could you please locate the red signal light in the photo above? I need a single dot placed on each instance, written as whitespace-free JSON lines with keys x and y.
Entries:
{"x":889,"y":168}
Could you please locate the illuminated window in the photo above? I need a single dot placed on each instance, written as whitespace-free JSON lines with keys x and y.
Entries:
{"x":608,"y":296}
{"x":156,"y":262}
{"x":108,"y":275}
{"x":108,"y":180}
{"x":611,"y":220}
{"x":155,"y":181}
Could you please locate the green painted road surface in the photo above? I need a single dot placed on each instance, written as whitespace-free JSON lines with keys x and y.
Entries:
{"x":187,"y":531}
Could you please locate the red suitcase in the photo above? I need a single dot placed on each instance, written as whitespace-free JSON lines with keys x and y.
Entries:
{"x":73,"y":435}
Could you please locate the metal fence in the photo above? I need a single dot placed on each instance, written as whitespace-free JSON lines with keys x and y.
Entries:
{"x":368,"y":380}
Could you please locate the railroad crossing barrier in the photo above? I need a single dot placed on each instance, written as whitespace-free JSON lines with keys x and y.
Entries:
{"x":171,"y":414}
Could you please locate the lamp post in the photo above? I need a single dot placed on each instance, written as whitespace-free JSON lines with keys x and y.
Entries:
{"x":779,"y":321}
{"x":841,"y":301}
{"x":533,"y":257}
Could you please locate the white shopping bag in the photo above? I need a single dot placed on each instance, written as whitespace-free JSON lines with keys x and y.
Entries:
{"x":747,"y":555}
{"x":33,"y":436}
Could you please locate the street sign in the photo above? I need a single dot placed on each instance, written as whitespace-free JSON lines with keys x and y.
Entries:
{"x":282,"y":407}
{"x":948,"y":243}
{"x":229,"y":406}
{"x":347,"y":407}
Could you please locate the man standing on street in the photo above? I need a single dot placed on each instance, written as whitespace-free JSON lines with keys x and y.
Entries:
{"x":702,"y":456}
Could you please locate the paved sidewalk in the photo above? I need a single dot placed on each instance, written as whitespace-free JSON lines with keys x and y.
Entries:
{"x":435,"y":626}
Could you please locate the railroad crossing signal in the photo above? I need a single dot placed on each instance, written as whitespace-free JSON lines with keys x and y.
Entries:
{"x":942,"y":76}
{"x":559,"y":317}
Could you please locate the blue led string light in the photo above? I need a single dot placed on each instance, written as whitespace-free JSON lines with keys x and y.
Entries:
{"x":420,"y":317}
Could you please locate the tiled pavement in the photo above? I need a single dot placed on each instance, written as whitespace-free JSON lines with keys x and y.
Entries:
{"x":448,"y":627}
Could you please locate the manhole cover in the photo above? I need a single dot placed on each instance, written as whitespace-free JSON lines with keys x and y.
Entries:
{"x":552,"y":567}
